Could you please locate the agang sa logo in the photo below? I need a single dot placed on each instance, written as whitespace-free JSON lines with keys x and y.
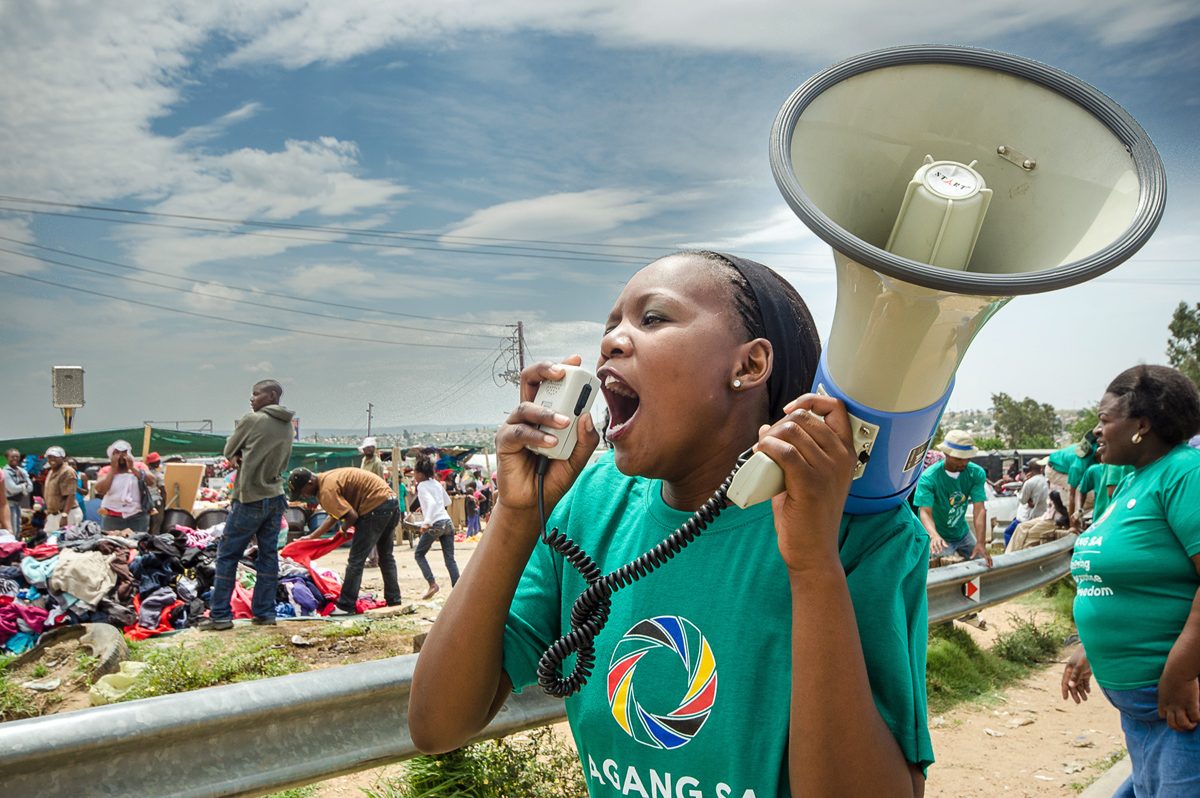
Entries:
{"x":676,"y":638}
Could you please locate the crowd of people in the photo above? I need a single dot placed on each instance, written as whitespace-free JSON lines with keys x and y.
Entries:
{"x":241,"y":566}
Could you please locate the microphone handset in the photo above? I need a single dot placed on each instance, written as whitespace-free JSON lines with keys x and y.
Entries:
{"x":572,"y":396}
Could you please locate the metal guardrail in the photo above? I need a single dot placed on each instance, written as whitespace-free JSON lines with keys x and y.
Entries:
{"x":244,"y":739}
{"x":258,"y":737}
{"x":1012,"y":575}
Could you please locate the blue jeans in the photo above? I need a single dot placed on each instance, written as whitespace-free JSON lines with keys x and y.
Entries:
{"x":444,"y":532}
{"x":373,"y":532}
{"x":1166,"y":763}
{"x":134,"y":523}
{"x":1008,"y":531}
{"x":253,"y":521}
{"x":962,"y":547}
{"x":14,"y":513}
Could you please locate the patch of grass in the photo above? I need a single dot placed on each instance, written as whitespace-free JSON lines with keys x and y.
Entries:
{"x":15,"y":702}
{"x":40,"y":670}
{"x":534,"y":764}
{"x":1028,"y":644}
{"x":1062,"y":597}
{"x":307,"y":791}
{"x":85,"y":663}
{"x":1057,"y":597}
{"x":353,"y":629}
{"x":1100,"y":765}
{"x":138,"y":649}
{"x":959,"y":670}
{"x":177,"y":670}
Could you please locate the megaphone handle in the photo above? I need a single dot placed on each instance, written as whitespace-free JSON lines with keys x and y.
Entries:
{"x":759,"y":479}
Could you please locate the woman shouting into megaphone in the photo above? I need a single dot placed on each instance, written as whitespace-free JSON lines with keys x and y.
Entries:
{"x":783,"y":651}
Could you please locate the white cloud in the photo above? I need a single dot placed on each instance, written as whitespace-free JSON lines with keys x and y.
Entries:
{"x":323,"y":278}
{"x":84,"y":88}
{"x":209,"y":296}
{"x":261,"y":367}
{"x":300,"y":33}
{"x":218,"y":126}
{"x":556,"y":215}
{"x":781,"y":227}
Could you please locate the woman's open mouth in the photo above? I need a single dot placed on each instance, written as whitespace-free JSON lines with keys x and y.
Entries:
{"x":622,"y":403}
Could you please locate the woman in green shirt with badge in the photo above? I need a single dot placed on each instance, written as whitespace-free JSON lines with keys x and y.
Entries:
{"x":1138,"y":571}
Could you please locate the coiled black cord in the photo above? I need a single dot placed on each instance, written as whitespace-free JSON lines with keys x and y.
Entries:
{"x":590,"y":611}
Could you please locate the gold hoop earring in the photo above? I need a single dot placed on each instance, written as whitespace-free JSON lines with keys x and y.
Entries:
{"x":737,"y":383}
{"x":1137,"y":437}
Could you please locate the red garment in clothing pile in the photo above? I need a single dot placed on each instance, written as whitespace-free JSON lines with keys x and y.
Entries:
{"x":43,"y":552}
{"x":303,"y":552}
{"x":12,"y":614}
{"x":7,"y":550}
{"x":137,"y":632}
{"x":241,"y":601}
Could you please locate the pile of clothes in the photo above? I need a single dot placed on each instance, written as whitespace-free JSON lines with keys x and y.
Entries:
{"x":141,"y":583}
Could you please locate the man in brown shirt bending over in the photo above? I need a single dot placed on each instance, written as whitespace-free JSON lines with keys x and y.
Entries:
{"x":59,"y":491}
{"x":360,"y":499}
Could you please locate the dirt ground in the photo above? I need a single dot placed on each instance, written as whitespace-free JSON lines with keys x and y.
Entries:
{"x":1026,"y":740}
{"x":59,"y":664}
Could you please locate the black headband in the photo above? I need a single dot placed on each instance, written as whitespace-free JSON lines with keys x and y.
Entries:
{"x":789,"y":327}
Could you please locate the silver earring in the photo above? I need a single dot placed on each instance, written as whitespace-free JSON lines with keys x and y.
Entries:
{"x":1137,"y":437}
{"x":737,"y":383}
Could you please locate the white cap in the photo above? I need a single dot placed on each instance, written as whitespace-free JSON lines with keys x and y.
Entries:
{"x":368,"y":442}
{"x":119,"y":446}
{"x":55,"y":451}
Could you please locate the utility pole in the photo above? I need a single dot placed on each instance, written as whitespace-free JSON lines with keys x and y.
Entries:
{"x":521,"y":345}
{"x":369,"y":408}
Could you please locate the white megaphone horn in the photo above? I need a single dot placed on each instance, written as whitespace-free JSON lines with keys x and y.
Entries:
{"x":947,"y":180}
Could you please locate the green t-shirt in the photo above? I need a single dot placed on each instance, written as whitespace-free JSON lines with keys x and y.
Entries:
{"x":1066,"y":461}
{"x":1079,"y":468}
{"x":1136,"y":581}
{"x":948,"y":497}
{"x":690,"y":690}
{"x":1099,"y":478}
{"x":1062,"y":460}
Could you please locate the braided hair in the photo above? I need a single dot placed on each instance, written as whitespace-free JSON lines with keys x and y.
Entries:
{"x":804,"y":341}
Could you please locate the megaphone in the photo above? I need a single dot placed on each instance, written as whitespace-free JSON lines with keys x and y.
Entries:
{"x":947,"y":180}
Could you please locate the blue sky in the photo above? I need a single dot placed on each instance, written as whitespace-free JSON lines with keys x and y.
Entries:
{"x":623,"y":129}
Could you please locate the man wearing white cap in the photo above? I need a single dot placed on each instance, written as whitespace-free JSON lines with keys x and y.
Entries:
{"x":117,"y":483}
{"x":943,"y":493}
{"x":371,"y":461}
{"x":59,"y":491}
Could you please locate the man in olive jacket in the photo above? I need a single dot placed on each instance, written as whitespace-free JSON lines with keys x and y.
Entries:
{"x":259,"y":449}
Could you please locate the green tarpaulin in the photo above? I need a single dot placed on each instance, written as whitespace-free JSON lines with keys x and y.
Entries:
{"x":94,"y":445}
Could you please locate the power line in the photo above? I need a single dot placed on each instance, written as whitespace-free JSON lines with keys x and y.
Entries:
{"x":622,"y":260}
{"x":229,"y":299}
{"x":538,"y":252}
{"x":275,"y":328}
{"x":439,"y":398}
{"x":322,"y":302}
{"x":406,"y":234}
